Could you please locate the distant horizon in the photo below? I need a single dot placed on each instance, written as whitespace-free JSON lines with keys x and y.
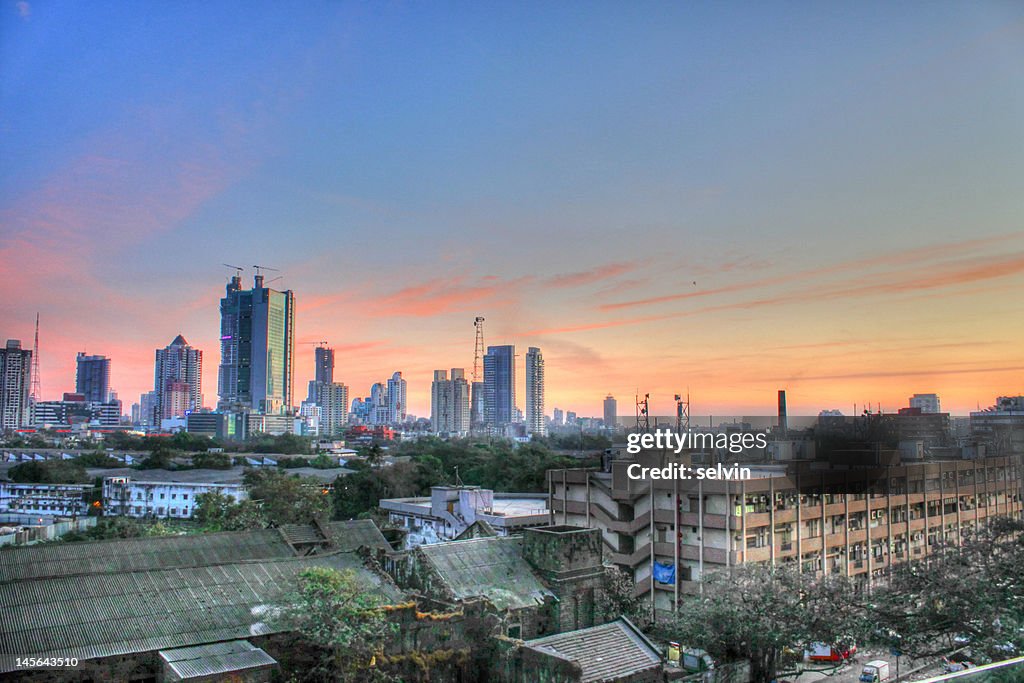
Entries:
{"x":725,"y":199}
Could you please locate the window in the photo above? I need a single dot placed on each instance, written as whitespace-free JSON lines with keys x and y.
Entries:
{"x":184,"y":496}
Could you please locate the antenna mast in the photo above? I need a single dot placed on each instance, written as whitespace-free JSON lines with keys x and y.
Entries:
{"x":682,"y":413}
{"x":36,"y":383}
{"x":643,"y":417}
{"x":478,"y":352}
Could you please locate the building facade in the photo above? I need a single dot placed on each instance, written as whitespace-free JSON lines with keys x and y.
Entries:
{"x":449,"y":403}
{"x":397,"y":396}
{"x":47,"y":500}
{"x":163,"y":498}
{"x":15,"y":385}
{"x":535,"y":418}
{"x":499,"y":386}
{"x":92,"y":377}
{"x":178,"y":379}
{"x":257,"y":333}
{"x":927,"y":403}
{"x":611,"y":412}
{"x":856,"y":522}
{"x":333,"y":403}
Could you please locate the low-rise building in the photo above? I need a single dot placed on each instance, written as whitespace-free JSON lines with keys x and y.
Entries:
{"x":165,"y":494}
{"x":43,"y":500}
{"x":450,"y":510}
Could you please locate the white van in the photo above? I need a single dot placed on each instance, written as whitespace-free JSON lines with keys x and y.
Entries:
{"x":875,"y":672}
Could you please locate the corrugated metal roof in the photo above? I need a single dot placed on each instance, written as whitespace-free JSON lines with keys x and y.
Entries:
{"x":185,"y":663}
{"x":605,"y":653}
{"x":132,"y":554}
{"x":355,"y":533}
{"x":141,"y":611}
{"x":489,"y":567}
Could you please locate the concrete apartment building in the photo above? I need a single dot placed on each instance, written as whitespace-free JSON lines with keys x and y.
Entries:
{"x":856,"y":521}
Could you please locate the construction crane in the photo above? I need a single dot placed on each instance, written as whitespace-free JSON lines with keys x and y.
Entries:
{"x":322,"y":343}
{"x":259,"y":268}
{"x":238,"y":269}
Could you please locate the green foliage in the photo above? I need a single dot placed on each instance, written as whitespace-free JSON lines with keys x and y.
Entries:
{"x":756,"y":611}
{"x":49,"y":472}
{"x":574,"y":441}
{"x":333,"y":611}
{"x":211,"y":461}
{"x":158,"y":459}
{"x":289,"y":444}
{"x":617,"y":599}
{"x":218,"y":512}
{"x":286,"y":498}
{"x":119,"y":527}
{"x":97,"y":459}
{"x":975,"y":591}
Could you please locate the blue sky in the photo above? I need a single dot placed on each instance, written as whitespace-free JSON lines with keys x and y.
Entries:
{"x":410,"y":165}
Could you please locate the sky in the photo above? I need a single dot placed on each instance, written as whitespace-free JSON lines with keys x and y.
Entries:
{"x":721,"y":198}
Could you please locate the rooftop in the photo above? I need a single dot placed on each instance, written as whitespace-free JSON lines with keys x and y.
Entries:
{"x":490,"y":567}
{"x":134,"y":554}
{"x":142,"y":611}
{"x":609,"y":652}
{"x":215,"y":659}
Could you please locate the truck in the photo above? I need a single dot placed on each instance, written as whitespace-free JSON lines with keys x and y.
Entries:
{"x":823,"y":652}
{"x":875,"y":672}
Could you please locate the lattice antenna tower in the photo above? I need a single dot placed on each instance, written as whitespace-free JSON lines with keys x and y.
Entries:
{"x":643,"y":413}
{"x":478,"y":352}
{"x":682,"y":413}
{"x":36,"y":383}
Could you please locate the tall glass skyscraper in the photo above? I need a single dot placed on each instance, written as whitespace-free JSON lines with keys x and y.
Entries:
{"x":92,"y":378}
{"x":257,"y":346}
{"x":499,"y":385}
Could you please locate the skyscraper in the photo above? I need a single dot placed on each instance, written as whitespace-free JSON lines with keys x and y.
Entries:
{"x":499,"y":385}
{"x":558,"y":417}
{"x":332,"y":398}
{"x":449,"y":402}
{"x":257,"y":348}
{"x":178,"y":379}
{"x":611,"y":412}
{"x":378,"y":411}
{"x":15,"y":385}
{"x":535,"y":392}
{"x":396,"y":399}
{"x":323,"y":370}
{"x":92,"y":378}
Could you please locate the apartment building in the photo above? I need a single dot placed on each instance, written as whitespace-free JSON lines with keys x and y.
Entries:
{"x":829,"y":519}
{"x":47,"y":500}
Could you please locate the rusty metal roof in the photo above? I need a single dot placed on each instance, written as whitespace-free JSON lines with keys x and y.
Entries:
{"x":140,"y":611}
{"x":490,"y":567}
{"x":132,"y":554}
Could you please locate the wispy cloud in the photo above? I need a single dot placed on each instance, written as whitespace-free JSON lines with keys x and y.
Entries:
{"x":586,"y":277}
{"x":24,"y":10}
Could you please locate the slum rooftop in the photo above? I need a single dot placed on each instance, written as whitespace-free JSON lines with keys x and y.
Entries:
{"x":489,"y":567}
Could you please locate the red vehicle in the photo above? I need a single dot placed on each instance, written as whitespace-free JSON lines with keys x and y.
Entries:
{"x":821,"y":652}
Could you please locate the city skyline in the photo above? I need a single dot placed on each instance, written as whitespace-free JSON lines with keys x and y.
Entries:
{"x":691,"y":197}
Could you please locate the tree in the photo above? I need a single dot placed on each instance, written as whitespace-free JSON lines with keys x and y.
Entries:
{"x":158,"y":459}
{"x":756,"y":611}
{"x":617,"y":598}
{"x":97,"y":459}
{"x":218,"y":512}
{"x":286,"y":498}
{"x":49,"y":472}
{"x":333,"y":611}
{"x":211,"y":461}
{"x":974,"y":592}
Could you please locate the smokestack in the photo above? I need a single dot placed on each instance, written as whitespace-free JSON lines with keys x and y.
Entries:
{"x":783,"y":416}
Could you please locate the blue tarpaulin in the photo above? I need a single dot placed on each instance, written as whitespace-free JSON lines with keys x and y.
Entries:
{"x":664,"y":573}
